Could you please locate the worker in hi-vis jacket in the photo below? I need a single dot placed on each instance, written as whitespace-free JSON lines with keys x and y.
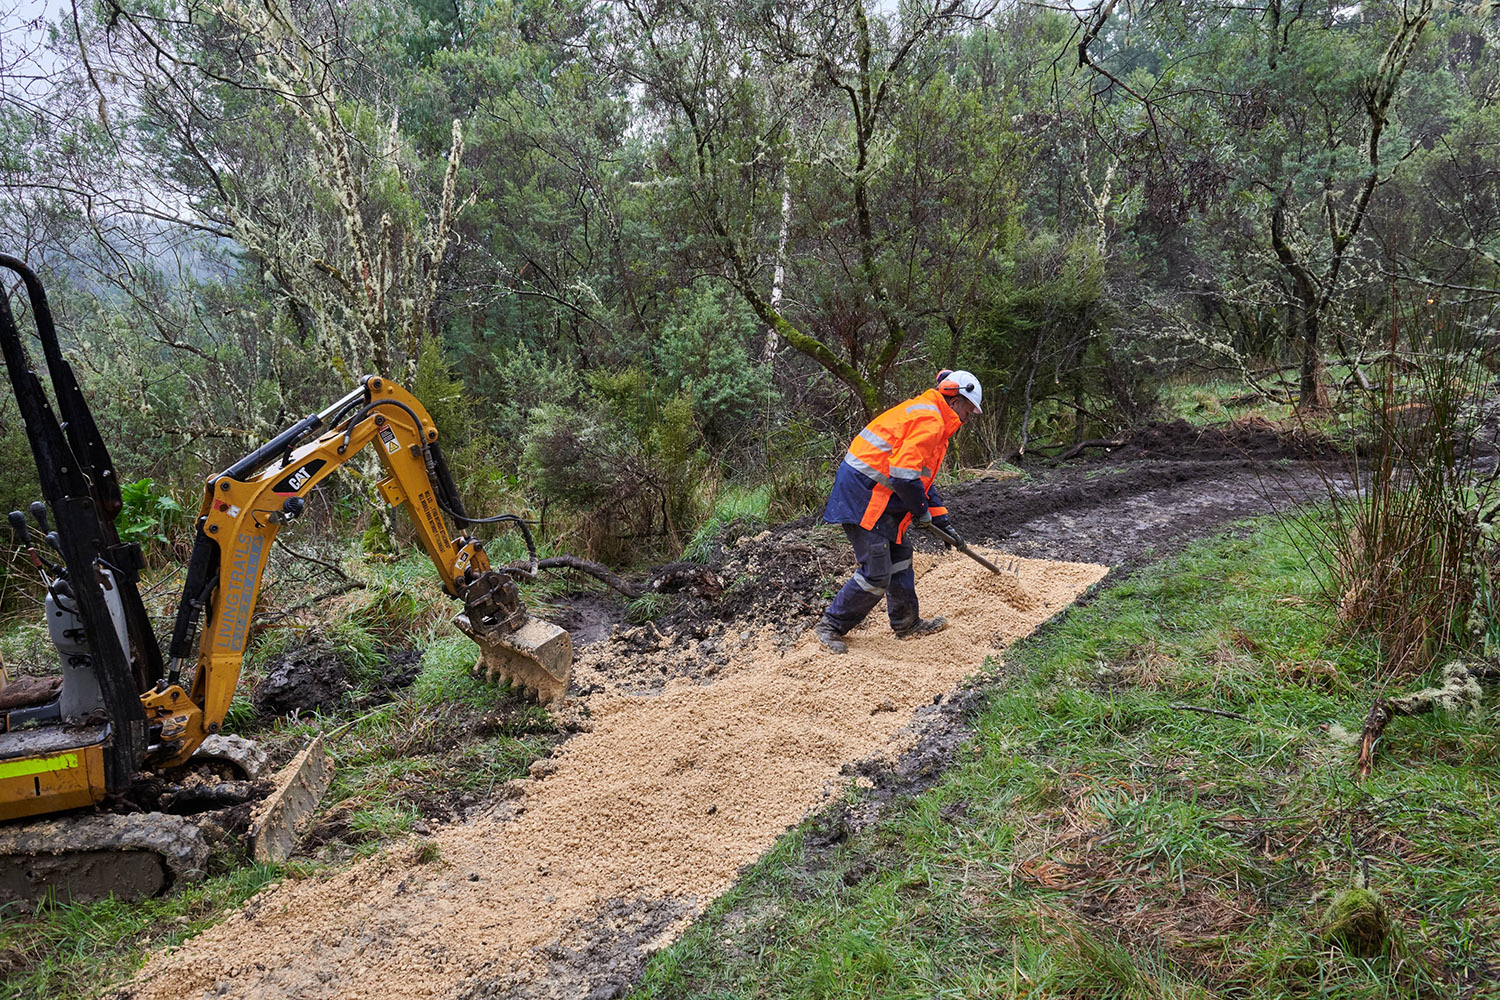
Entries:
{"x":883,"y":487}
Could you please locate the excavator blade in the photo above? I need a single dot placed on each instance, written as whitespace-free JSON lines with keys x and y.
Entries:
{"x":536,"y":658}
{"x":280,"y":819}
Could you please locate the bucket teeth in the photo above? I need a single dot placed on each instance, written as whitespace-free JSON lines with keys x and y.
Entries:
{"x":537,"y":658}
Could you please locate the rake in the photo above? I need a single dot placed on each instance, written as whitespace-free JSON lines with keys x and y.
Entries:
{"x":1012,"y":565}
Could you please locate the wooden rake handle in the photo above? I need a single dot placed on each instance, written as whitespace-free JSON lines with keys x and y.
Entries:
{"x":1010,"y":568}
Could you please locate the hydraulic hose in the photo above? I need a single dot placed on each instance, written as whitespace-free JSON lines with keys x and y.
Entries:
{"x":444,"y":492}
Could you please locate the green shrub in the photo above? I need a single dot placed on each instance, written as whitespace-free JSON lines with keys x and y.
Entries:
{"x":626,"y":461}
{"x":705,"y":348}
{"x":523,"y":380}
{"x":801,"y":465}
{"x":149,"y":514}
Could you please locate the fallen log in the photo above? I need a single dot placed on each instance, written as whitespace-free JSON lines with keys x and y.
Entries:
{"x":669,"y":579}
{"x":1081,"y":446}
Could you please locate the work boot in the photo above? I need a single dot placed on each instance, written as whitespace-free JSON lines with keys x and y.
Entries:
{"x":921,"y":627}
{"x":829,"y":635}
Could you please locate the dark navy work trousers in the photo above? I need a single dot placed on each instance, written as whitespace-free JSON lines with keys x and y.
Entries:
{"x":884,"y":571}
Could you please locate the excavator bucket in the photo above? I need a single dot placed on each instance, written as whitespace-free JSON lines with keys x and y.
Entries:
{"x":535,"y":656}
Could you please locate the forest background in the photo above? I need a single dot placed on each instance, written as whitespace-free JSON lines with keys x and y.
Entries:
{"x":641,"y":258}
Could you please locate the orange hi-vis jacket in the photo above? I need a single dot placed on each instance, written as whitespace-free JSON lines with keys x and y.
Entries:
{"x":887,"y":474}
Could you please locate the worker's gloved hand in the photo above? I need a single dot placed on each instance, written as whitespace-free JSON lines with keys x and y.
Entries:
{"x":922,"y":519}
{"x":942,"y":521}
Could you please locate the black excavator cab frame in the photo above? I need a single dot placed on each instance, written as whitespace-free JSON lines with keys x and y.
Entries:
{"x":79,"y":484}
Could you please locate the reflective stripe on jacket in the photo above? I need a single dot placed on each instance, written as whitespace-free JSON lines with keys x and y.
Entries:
{"x":886,"y":475}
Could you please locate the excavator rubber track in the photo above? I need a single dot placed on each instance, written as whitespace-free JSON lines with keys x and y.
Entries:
{"x":246,"y":756}
{"x":83,"y":858}
{"x":536,"y":658}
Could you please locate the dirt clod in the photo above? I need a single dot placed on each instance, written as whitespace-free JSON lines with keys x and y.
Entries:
{"x":307,"y":680}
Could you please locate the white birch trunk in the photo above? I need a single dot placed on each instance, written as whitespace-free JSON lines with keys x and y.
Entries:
{"x":778,"y":280}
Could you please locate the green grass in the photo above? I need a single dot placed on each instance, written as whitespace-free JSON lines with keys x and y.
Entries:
{"x":450,"y":735}
{"x":747,"y":506}
{"x":1216,"y":401}
{"x":57,"y":950}
{"x":1201,"y":401}
{"x":1098,"y":840}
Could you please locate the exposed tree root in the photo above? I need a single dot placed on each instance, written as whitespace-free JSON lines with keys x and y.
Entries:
{"x":1460,"y":689}
{"x":1078,"y":448}
{"x":669,"y":579}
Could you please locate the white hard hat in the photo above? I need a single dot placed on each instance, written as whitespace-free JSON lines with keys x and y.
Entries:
{"x":961,"y":383}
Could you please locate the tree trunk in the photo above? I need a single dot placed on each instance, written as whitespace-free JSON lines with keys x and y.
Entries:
{"x":778,"y":281}
{"x":1313,"y":392}
{"x":1308,"y":310}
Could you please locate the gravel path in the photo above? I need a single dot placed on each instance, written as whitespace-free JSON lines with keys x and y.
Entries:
{"x":631,"y":828}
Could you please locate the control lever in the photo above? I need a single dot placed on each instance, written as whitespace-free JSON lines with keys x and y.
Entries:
{"x":39,"y":512}
{"x":23,"y":538}
{"x":21,"y":528}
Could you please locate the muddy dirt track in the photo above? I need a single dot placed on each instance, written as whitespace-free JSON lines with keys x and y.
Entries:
{"x":706,"y":735}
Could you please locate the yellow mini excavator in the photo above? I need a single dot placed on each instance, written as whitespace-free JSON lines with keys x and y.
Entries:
{"x":72,"y":747}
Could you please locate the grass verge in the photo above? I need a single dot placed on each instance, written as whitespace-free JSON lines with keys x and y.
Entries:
{"x":1101,"y":838}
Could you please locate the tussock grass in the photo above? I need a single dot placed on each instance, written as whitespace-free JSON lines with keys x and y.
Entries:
{"x":1098,"y":839}
{"x":745,"y":506}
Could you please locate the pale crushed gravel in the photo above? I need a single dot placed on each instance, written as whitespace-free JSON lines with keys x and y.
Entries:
{"x":664,"y":798}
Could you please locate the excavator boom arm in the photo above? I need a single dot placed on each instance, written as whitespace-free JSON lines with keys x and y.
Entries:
{"x":244,"y":508}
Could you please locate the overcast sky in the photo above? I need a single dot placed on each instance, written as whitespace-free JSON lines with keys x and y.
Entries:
{"x":23,"y":35}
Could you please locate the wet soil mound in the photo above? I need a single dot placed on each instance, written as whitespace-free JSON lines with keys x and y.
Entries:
{"x":319,"y":676}
{"x":314,"y":678}
{"x":1250,"y":439}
